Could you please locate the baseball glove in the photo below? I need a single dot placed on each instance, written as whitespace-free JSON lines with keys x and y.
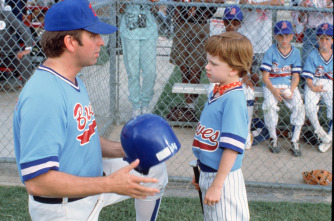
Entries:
{"x":317,"y":177}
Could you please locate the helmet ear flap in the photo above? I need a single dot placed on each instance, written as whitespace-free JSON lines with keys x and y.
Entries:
{"x":149,"y":138}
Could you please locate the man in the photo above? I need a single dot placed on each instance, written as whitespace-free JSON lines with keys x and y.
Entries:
{"x":57,"y":146}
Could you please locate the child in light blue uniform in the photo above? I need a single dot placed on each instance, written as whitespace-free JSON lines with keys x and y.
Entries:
{"x":318,"y":72}
{"x":281,"y":67}
{"x":221,"y":134}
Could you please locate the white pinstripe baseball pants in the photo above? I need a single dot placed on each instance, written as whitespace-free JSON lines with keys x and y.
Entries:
{"x":233,"y":204}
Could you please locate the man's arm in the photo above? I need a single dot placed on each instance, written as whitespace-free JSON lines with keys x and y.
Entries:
{"x":59,"y":184}
{"x":111,"y":149}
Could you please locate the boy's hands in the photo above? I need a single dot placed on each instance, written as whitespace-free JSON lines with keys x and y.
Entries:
{"x":277,"y":92}
{"x":212,"y":195}
{"x":318,"y":88}
{"x":193,"y":182}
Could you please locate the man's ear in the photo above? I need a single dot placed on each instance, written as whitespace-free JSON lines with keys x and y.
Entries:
{"x":70,"y":43}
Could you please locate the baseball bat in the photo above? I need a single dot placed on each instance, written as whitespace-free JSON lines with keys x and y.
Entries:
{"x":194,"y":165}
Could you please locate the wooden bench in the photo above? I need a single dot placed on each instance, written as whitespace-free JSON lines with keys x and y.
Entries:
{"x":182,"y":88}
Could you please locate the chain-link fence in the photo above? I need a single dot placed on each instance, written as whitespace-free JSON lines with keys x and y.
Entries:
{"x":155,"y":64}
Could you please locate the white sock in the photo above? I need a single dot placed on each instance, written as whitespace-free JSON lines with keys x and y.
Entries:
{"x":147,"y":210}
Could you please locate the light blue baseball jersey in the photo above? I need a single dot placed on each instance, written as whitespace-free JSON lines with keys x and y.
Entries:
{"x":55,"y":128}
{"x":223,"y":124}
{"x":281,"y":67}
{"x":317,"y":67}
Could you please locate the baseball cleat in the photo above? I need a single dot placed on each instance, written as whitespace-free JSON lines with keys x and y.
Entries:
{"x":273,"y":147}
{"x":324,"y":147}
{"x":296,"y":149}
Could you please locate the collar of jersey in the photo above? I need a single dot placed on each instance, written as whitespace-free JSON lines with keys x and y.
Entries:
{"x":213,"y":99}
{"x":285,"y":56}
{"x":75,"y":86}
{"x":323,"y":59}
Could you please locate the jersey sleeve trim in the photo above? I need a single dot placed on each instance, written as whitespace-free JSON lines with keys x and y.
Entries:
{"x":265,"y":67}
{"x":296,"y":70}
{"x":33,"y":169}
{"x":232,"y":141}
{"x":307,"y":75}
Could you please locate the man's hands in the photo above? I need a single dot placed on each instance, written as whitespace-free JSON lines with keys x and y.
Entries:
{"x":124,"y":183}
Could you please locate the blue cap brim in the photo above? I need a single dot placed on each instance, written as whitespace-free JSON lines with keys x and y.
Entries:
{"x":101,"y":28}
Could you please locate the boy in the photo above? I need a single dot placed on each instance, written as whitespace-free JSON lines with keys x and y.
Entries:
{"x":281,"y":67}
{"x":221,"y":134}
{"x":318,"y":72}
{"x":232,"y":19}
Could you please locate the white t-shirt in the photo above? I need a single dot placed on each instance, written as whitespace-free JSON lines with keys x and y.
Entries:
{"x":257,"y":26}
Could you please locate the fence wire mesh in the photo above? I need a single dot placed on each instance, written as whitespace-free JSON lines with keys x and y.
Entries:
{"x":155,"y":64}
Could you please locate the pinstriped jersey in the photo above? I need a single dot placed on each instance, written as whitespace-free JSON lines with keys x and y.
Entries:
{"x":55,"y":128}
{"x":223,"y":124}
{"x":317,"y":67}
{"x":281,"y":67}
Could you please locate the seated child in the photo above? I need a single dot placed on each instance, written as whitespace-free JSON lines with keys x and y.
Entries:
{"x":281,"y":67}
{"x":318,"y":72}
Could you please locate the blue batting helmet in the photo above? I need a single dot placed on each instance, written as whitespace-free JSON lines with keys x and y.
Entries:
{"x":150,"y":139}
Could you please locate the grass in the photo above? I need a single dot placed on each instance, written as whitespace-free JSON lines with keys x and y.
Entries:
{"x":14,"y":207}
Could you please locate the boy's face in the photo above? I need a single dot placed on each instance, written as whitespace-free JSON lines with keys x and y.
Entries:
{"x":232,"y":25}
{"x":284,"y":40}
{"x":325,"y":42}
{"x":219,"y":71}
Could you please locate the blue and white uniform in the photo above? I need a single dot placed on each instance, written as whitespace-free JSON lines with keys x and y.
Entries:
{"x":321,"y":73}
{"x":281,"y":68}
{"x":68,"y":121}
{"x":55,"y":129}
{"x":223,"y":124}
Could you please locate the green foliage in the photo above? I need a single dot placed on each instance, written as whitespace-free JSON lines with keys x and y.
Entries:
{"x":14,"y":207}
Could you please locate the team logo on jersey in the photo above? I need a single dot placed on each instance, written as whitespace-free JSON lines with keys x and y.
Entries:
{"x":284,"y":70}
{"x":84,"y":117}
{"x":320,"y":71}
{"x":209,"y":138}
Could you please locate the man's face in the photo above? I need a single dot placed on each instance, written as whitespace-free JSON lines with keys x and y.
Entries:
{"x":88,"y":52}
{"x":232,"y":25}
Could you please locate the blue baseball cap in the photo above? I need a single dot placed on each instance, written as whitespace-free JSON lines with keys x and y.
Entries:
{"x":325,"y":29}
{"x":233,"y":12}
{"x":71,"y":15}
{"x":283,"y":28}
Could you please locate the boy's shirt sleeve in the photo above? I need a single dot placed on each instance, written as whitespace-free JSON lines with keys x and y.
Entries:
{"x":234,"y":126}
{"x":309,"y":68}
{"x":297,"y":66}
{"x":267,"y":61}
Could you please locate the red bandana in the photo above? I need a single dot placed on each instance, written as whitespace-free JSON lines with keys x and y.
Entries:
{"x":222,"y":88}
